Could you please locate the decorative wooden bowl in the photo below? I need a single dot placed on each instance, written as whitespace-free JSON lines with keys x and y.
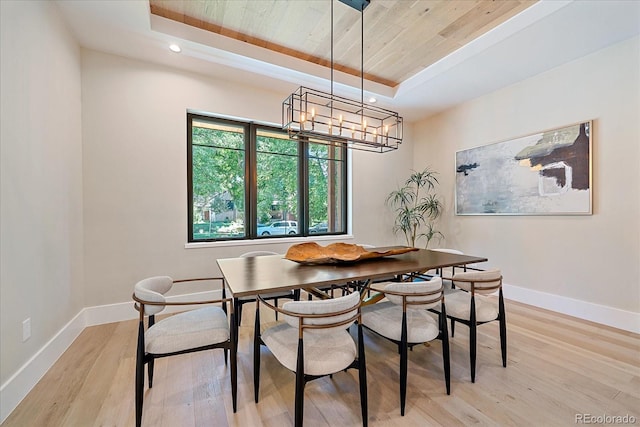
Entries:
{"x":313,"y":253}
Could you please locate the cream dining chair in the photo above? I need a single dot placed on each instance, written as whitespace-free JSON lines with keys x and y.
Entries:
{"x":403,"y":319}
{"x":198,"y":329}
{"x":313,"y":341}
{"x":470,"y":305}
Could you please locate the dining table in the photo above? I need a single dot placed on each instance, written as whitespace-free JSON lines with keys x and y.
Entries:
{"x":273,"y":273}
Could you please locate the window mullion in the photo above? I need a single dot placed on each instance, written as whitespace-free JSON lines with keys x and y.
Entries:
{"x":303,"y":185}
{"x":251,"y":182}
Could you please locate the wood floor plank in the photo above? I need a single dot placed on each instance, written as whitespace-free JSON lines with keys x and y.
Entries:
{"x":557,"y":367}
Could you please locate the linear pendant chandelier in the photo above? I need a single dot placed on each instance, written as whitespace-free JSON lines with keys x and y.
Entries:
{"x":327,"y":118}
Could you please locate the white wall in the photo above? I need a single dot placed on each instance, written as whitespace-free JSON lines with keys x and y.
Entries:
{"x":41,"y":183}
{"x":592,"y":259}
{"x":135,"y":185}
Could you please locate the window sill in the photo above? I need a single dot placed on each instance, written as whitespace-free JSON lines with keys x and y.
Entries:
{"x":256,"y":242}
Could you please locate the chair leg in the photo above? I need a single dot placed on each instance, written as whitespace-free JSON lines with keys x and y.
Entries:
{"x":239,"y":312}
{"x":139,"y":374}
{"x":234,"y":357}
{"x":446,"y":359}
{"x":150,"y":360}
{"x":299,"y":399}
{"x":473,"y":338}
{"x":503,"y":329}
{"x":237,"y":308}
{"x":403,"y":363}
{"x":276,"y":304}
{"x":453,"y":327}
{"x":256,"y":354}
{"x":150,"y":366}
{"x":362,"y":378}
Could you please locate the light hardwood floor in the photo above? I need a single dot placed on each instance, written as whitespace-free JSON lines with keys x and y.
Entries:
{"x":557,"y":367}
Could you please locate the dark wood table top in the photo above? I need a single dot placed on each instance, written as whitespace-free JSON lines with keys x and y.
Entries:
{"x":270,"y":273}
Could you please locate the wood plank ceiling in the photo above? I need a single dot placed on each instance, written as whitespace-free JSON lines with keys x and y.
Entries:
{"x":401,"y":37}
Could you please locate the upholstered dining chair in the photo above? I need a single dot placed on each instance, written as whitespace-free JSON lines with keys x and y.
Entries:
{"x":275,"y":296}
{"x":470,"y":305}
{"x":313,"y":341}
{"x":185,"y":332}
{"x":403,"y":319}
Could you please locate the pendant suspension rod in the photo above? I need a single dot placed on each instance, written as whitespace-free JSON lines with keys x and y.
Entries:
{"x":332,"y":47}
{"x":362,"y":55}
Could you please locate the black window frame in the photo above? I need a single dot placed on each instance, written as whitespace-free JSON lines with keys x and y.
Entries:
{"x":251,"y":129}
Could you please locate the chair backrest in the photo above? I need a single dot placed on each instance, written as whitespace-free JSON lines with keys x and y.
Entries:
{"x":420,"y":295}
{"x":327,"y":310}
{"x":257,"y":253}
{"x":153,"y":289}
{"x":484,"y":282}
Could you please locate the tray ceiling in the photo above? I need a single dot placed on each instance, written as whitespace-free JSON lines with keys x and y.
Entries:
{"x":401,"y":37}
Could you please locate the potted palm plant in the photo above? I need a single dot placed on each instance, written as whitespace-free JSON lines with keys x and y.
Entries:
{"x":417,"y":208}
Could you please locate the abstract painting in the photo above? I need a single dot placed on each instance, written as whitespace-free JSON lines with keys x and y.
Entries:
{"x":548,"y":173}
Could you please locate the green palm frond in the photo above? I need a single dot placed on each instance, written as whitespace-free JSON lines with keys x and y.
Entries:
{"x":416,"y":212}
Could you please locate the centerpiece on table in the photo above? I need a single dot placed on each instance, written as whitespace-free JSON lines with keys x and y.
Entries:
{"x":313,"y":253}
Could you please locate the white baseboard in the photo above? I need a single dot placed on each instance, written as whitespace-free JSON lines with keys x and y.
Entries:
{"x":20,"y":384}
{"x":620,"y":319}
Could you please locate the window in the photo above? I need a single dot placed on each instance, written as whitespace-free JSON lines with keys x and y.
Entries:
{"x":250,"y":181}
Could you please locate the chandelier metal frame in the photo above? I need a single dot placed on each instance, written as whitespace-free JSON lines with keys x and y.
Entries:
{"x":327,"y":118}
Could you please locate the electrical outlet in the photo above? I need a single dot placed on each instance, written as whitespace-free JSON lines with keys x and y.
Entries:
{"x":26,"y":329}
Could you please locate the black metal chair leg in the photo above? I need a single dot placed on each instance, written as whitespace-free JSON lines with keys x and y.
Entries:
{"x":239,"y":312}
{"x":139,"y":374}
{"x":234,"y":358}
{"x":299,"y":399}
{"x":150,"y":366}
{"x":453,"y":327}
{"x":472,"y":339}
{"x":362,"y":378}
{"x":403,"y":364}
{"x":446,"y":358}
{"x":256,"y":354}
{"x":503,"y":329}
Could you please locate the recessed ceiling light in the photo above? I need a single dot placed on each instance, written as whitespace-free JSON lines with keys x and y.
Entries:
{"x":372,"y":100}
{"x":175,"y":48}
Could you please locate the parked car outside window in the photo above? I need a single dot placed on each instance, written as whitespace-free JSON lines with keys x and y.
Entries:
{"x":319,"y":228}
{"x":278,"y":228}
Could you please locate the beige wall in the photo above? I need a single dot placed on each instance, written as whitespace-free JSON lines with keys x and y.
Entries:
{"x":135,"y":185}
{"x":588,"y":258}
{"x":41,"y":184}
